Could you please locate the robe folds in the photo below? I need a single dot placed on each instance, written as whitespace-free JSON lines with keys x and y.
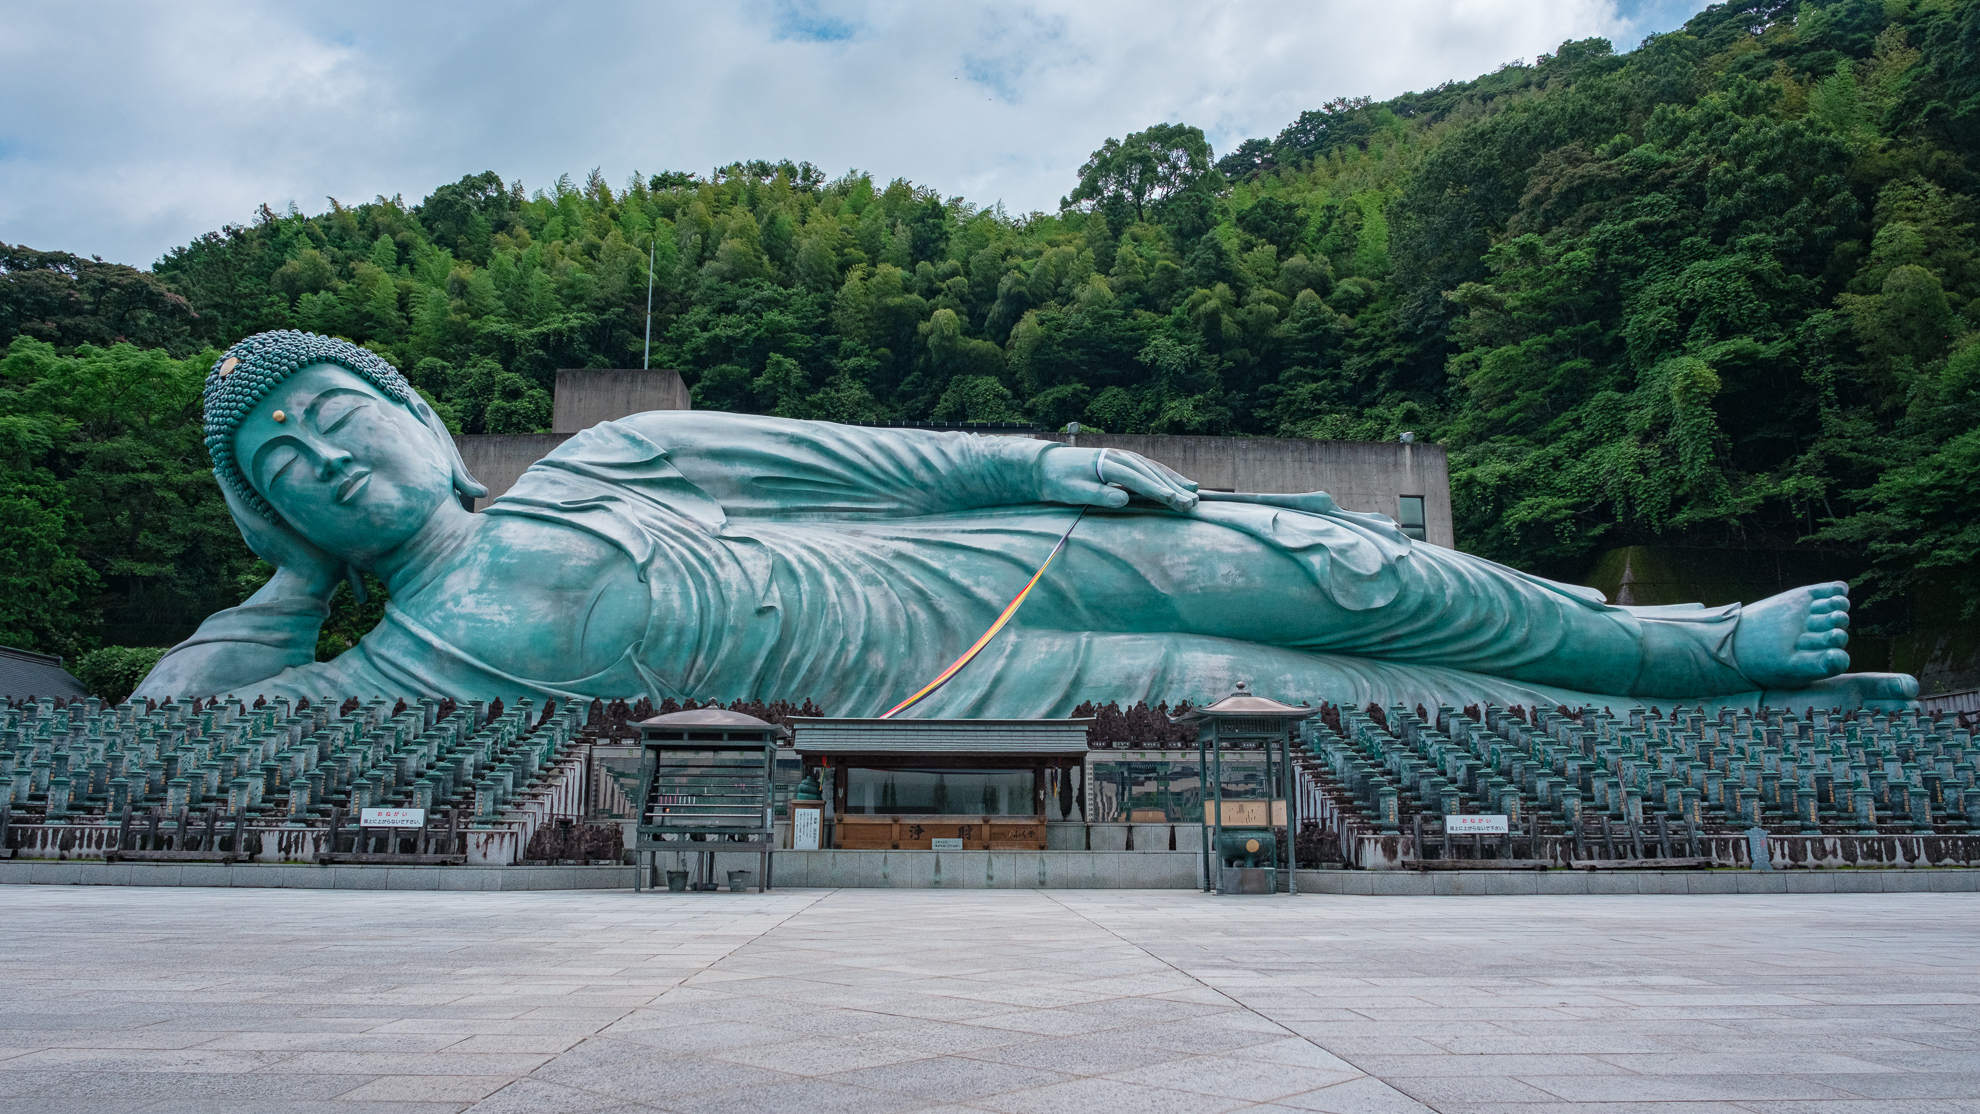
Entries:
{"x":850,"y":565}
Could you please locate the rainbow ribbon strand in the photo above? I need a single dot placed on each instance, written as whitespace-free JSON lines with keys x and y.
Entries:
{"x":976,"y":647}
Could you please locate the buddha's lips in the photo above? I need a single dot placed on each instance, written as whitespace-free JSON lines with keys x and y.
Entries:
{"x":352,"y":485}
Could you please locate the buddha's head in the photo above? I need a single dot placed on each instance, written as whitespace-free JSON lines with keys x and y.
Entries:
{"x":328,"y":439}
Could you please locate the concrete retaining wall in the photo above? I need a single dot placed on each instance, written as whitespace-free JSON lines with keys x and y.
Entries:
{"x":1360,"y":475}
{"x":587,"y":396}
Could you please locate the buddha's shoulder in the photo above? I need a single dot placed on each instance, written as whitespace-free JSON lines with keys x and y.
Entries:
{"x":510,"y":539}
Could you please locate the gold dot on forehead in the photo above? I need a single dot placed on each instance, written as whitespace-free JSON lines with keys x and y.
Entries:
{"x":227,"y":367}
{"x":281,"y":417}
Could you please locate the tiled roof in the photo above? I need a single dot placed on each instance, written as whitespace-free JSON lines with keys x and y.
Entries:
{"x":27,"y":674}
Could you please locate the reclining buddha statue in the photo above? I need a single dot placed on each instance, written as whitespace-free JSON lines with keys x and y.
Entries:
{"x":701,"y":554}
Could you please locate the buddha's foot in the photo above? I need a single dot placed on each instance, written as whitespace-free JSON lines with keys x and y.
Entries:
{"x":1884,"y":692}
{"x":1795,"y":639}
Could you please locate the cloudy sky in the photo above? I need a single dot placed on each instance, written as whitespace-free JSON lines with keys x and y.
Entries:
{"x":128,"y":128}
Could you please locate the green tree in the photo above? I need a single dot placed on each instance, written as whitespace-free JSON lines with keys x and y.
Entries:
{"x":1146,"y":168}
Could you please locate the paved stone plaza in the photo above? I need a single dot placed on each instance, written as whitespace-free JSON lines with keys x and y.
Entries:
{"x":872,"y":1001}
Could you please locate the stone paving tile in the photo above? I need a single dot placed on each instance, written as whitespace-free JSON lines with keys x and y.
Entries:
{"x":807,"y":1096}
{"x":1963,"y":1105}
{"x":1604,"y":1108}
{"x":427,"y":1088}
{"x":300,"y":1106}
{"x":1442,"y":1091}
{"x":945,"y":1038}
{"x":144,"y":1060}
{"x":445,"y":1062}
{"x":950,"y":1078}
{"x":1366,"y":1095}
{"x":322,"y":1042}
{"x":1231,"y":1078}
{"x":1727,"y":1088}
{"x":531,"y":1096}
{"x":1076,"y":1055}
{"x":1107,"y":1096}
{"x":1518,"y":1065}
{"x":121,"y":1087}
{"x":818,"y":1055}
{"x":1910,"y":1085}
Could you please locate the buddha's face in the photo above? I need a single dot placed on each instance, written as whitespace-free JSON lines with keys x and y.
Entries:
{"x":352,"y":470}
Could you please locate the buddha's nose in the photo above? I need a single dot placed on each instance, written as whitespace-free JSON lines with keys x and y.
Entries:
{"x":335,"y":461}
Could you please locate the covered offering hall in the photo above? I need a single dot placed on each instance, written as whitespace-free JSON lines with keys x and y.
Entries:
{"x":964,"y":785}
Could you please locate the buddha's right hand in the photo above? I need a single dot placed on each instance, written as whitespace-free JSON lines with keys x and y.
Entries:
{"x":316,"y":571}
{"x":1108,"y":477}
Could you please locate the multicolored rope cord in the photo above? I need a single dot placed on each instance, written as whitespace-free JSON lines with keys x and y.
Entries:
{"x":977,"y":647}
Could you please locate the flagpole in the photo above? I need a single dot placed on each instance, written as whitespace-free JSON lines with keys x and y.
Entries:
{"x":646,"y":358}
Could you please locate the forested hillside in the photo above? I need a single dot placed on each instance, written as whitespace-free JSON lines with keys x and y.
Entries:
{"x":1717,"y":291}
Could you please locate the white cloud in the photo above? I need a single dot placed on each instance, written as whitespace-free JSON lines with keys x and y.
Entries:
{"x":129,"y":129}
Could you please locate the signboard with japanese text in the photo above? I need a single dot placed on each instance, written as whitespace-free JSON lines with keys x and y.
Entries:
{"x":804,"y":828}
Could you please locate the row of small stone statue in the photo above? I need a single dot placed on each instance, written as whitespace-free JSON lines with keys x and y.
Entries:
{"x":275,"y":761}
{"x":1786,"y":772}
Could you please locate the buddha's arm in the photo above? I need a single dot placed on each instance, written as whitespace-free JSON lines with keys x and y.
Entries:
{"x":756,"y":466}
{"x":235,"y":649}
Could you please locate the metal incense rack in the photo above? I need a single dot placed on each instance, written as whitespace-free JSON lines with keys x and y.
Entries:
{"x":706,"y":782}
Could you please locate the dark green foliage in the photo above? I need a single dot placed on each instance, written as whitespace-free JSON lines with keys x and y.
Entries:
{"x":115,"y":527}
{"x":113,"y":671}
{"x":1719,"y":291}
{"x":67,"y":300}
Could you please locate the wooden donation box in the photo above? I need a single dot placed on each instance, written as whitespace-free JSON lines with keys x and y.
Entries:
{"x":706,"y":777}
{"x":938,"y":784}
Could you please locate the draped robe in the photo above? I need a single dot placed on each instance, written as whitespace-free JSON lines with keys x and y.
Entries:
{"x":849,"y":565}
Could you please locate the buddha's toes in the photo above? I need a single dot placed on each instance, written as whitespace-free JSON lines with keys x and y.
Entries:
{"x":1795,"y":639}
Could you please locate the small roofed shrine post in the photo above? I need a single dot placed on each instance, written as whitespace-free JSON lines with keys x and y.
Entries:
{"x":1246,"y":719}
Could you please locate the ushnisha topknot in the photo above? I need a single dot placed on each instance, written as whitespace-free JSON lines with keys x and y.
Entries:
{"x":245,"y":374}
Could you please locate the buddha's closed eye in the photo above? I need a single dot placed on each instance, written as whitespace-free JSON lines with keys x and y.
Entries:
{"x":339,"y":409}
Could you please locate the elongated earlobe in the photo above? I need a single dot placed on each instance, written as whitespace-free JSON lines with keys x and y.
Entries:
{"x":465,"y":485}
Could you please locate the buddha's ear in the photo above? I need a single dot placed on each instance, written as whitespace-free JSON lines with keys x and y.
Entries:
{"x":465,"y":485}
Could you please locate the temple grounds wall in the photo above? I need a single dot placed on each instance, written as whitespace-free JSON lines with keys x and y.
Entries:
{"x":587,"y":396}
{"x":1369,"y":476}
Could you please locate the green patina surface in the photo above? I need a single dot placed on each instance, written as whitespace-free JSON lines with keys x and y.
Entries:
{"x":694,"y":553}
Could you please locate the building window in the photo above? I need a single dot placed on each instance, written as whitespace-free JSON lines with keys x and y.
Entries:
{"x":1410,"y":516}
{"x":1157,"y":792}
{"x":871,"y":792}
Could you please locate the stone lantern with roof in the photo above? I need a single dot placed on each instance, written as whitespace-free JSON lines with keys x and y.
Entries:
{"x":1242,"y":837}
